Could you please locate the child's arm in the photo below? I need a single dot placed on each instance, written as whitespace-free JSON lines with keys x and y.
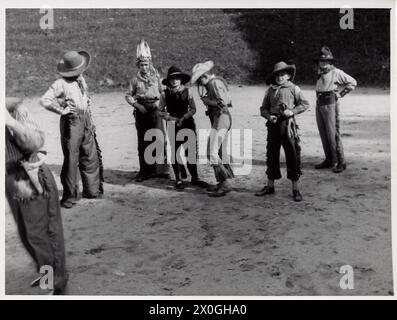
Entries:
{"x":192,"y":107}
{"x":301,"y":103}
{"x":346,"y":81}
{"x":220,"y":93}
{"x":130,"y":97}
{"x":50,"y":99}
{"x":25,"y":131}
{"x":265,"y":107}
{"x":162,"y":111}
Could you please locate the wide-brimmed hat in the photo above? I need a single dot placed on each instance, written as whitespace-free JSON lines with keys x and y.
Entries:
{"x":325,"y":54}
{"x":13,"y":102}
{"x":73,"y":63}
{"x":199,"y":69}
{"x":278,"y":67}
{"x":175,"y":72}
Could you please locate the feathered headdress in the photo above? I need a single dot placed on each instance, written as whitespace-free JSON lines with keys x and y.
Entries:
{"x":143,"y":52}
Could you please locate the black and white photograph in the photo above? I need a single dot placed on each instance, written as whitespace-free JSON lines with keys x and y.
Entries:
{"x":198,"y":151}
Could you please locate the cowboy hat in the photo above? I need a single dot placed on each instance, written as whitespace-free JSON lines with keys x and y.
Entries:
{"x":73,"y":63}
{"x":325,"y":54}
{"x":199,"y":69}
{"x":175,"y":72}
{"x":278,"y":67}
{"x":12,"y":103}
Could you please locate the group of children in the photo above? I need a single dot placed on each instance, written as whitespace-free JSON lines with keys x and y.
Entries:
{"x":155,"y":99}
{"x":30,"y":187}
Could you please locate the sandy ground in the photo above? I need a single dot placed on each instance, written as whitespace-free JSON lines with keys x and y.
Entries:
{"x":148,"y":239}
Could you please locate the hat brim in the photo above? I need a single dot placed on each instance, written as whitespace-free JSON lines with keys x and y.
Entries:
{"x":185,"y":78}
{"x":205,"y":67}
{"x":66,"y":72}
{"x":289,"y":69}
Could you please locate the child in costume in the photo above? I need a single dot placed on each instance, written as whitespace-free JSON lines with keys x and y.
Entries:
{"x":144,"y":95}
{"x":218,"y":101}
{"x":330,"y":79}
{"x":283,"y":100}
{"x":32,"y":194}
{"x":68,"y":96}
{"x":177,"y":106}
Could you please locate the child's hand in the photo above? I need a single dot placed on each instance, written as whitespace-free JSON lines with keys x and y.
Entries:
{"x":67,"y":110}
{"x":179,"y":122}
{"x":288,"y":113}
{"x":273,"y":119}
{"x":130,"y":100}
{"x":338,"y":95}
{"x":205,"y":100}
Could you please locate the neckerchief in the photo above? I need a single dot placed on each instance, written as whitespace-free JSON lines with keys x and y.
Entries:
{"x":150,"y":78}
{"x":321,"y":71}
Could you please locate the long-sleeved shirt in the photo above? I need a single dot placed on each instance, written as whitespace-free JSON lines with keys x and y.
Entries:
{"x":333,"y":79}
{"x":149,"y":88}
{"x":287,"y":96}
{"x":24,"y":137}
{"x":218,"y":93}
{"x":190,"y":102}
{"x":63,"y":91}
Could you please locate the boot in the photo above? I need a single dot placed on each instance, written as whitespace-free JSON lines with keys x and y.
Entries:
{"x":341,"y":166}
{"x":324,"y":165}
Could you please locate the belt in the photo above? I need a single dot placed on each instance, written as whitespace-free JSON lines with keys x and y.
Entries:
{"x":326,"y":98}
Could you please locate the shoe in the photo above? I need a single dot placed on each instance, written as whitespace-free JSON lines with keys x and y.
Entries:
{"x":163,"y":176}
{"x":179,"y":185}
{"x":218,"y":193}
{"x":67,"y":204}
{"x":199,"y":183}
{"x":222,"y":190}
{"x":324,"y":165}
{"x":339,"y":168}
{"x":265,"y":190}
{"x":297,"y":195}
{"x":141,"y":177}
{"x":212,"y":188}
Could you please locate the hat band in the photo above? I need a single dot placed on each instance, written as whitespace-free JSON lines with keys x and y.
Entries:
{"x":77,"y":67}
{"x":175,"y":74}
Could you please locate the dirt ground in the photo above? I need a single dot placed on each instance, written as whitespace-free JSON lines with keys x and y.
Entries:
{"x":147,"y":239}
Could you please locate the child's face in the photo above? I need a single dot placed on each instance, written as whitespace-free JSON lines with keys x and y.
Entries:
{"x":175,"y":82}
{"x":282,"y":77}
{"x":144,"y":67}
{"x":204,"y":79}
{"x":324,"y":64}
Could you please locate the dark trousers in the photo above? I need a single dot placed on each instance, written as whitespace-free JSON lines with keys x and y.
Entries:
{"x":279,"y":134}
{"x":80,"y":151}
{"x":143,"y":123}
{"x":328,"y":123}
{"x":191,"y":166}
{"x":39,"y":225}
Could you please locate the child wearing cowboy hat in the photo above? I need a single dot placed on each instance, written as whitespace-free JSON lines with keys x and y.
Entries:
{"x":283,"y":100}
{"x":330,"y":79}
{"x":177,"y":107}
{"x":68,"y":97}
{"x":218,"y":101}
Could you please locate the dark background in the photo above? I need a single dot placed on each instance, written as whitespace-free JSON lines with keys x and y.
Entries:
{"x":244,"y":43}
